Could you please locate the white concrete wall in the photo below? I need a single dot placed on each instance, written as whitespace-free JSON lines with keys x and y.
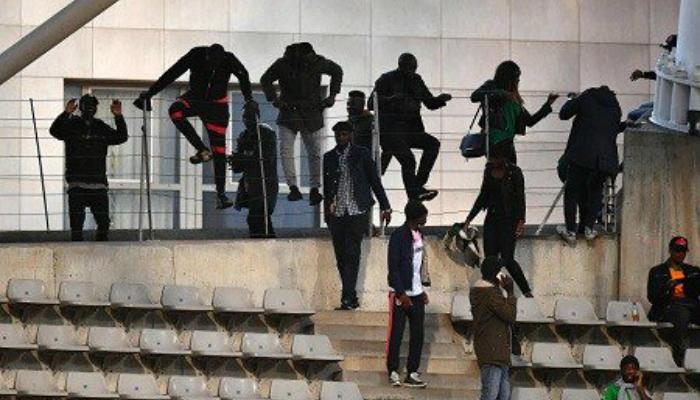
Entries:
{"x":561,"y":45}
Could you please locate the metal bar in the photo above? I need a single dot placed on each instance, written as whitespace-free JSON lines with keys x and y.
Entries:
{"x":41,"y":165}
{"x":141,"y":183}
{"x":487,"y":128}
{"x":263,"y":175}
{"x":377,"y":156}
{"x":549,"y":212}
{"x":147,"y":162}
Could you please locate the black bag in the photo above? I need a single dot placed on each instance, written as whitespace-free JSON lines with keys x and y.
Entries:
{"x":473,"y":145}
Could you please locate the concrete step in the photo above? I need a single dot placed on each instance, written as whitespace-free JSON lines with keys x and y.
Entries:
{"x":379,"y":332}
{"x":371,"y":318}
{"x":366,"y":347}
{"x":391,"y":393}
{"x":436,"y":381}
{"x":430,"y":365}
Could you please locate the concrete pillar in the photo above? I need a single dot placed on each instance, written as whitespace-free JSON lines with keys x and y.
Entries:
{"x":688,"y":52}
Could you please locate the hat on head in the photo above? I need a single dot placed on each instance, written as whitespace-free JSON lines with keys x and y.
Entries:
{"x":678,"y":243}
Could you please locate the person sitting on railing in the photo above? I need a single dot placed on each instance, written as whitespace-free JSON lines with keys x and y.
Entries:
{"x":507,"y":115}
{"x":402,"y":93}
{"x":210,"y":71}
{"x":646,"y":108}
{"x":86,"y":139}
{"x":259,"y":171}
{"x":361,"y":119}
{"x":299,"y":74}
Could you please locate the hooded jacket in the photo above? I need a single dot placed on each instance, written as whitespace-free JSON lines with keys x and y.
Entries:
{"x":493,"y":316}
{"x":246,"y":159}
{"x":592,"y":142}
{"x":299,"y":74}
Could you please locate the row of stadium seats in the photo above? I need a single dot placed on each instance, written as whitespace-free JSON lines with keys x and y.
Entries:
{"x":541,"y":393}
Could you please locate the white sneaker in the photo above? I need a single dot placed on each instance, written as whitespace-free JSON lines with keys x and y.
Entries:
{"x":413,"y":380}
{"x":568,"y":236}
{"x":590,"y":233}
{"x":394,"y":379}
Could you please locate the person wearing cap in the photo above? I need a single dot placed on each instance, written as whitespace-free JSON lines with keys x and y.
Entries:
{"x":630,"y":385}
{"x":349,"y":178}
{"x":86,"y":139}
{"x":672,"y":290}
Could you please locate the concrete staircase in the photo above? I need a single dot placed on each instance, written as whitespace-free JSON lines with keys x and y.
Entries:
{"x":449,"y":371}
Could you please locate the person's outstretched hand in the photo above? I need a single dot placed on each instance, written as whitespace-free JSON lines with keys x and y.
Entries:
{"x":636,"y":74}
{"x":552,"y":98}
{"x":445,"y":97}
{"x":71,"y":106}
{"x":116,"y":107}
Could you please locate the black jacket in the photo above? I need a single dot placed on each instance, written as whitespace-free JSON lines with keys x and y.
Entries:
{"x":400,"y":100}
{"x":86,"y":146}
{"x":592,"y":142}
{"x":299,"y":78}
{"x":205,"y":82}
{"x":508,"y":192}
{"x":362,"y":129}
{"x":246,"y":159}
{"x":658,"y":292}
{"x":365,"y":179}
{"x":400,"y":260}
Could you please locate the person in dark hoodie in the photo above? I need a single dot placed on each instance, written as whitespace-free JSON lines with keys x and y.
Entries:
{"x":507,"y":115}
{"x":86,"y":139}
{"x":299,"y":74}
{"x":259,"y":178}
{"x":494,"y":307}
{"x":401,"y":94}
{"x":672,"y":289}
{"x":210,"y":71}
{"x":591,"y":155}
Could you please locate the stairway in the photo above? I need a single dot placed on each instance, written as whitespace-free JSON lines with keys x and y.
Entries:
{"x":360,"y":337}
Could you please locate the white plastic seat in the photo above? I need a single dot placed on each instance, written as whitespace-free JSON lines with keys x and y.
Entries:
{"x":13,"y":337}
{"x":529,"y":393}
{"x":314,"y":348}
{"x":580,"y":394}
{"x":692,"y":361}
{"x":161,"y":342}
{"x":575,"y":311}
{"x":91,"y":385}
{"x":528,"y":312}
{"x":234,"y":300}
{"x":183,"y":298}
{"x":139,"y":386}
{"x":28,"y":291}
{"x":285,"y":389}
{"x":33,"y":383}
{"x":680,"y":396}
{"x":188,"y":387}
{"x":340,"y":391}
{"x":263,"y":345}
{"x":656,"y":359}
{"x":131,"y":295}
{"x":79,"y":294}
{"x":619,"y":313}
{"x":461,"y":308}
{"x":285,"y":301}
{"x":213,"y":344}
{"x":59,"y":338}
{"x":238,"y":389}
{"x":601,"y":357}
{"x":554,"y":356}
{"x":110,"y":340}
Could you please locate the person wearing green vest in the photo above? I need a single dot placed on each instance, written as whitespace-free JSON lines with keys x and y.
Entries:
{"x":630,"y":386}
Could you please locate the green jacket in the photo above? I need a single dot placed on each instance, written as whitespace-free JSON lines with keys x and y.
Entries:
{"x":494,"y":315}
{"x":511,"y":113}
{"x":613,"y":391}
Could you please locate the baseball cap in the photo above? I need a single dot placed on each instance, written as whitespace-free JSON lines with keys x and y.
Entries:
{"x":678,"y":243}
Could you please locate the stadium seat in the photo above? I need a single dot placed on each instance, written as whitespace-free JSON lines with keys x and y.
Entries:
{"x":554,"y":356}
{"x":110,"y":340}
{"x":575,"y":311}
{"x":314,"y":348}
{"x":656,"y":359}
{"x":59,"y":338}
{"x":529,"y":393}
{"x":285,"y":389}
{"x":234,"y":300}
{"x":13,"y":337}
{"x":340,"y":391}
{"x":32,"y":383}
{"x":131,"y":295}
{"x":183,"y":298}
{"x":620,"y":313}
{"x":28,"y":291}
{"x":212,"y":344}
{"x":188,"y":387}
{"x":238,"y":389}
{"x":161,"y":342}
{"x":263,"y":345}
{"x":529,"y":312}
{"x":285,"y":301}
{"x":579,"y":394}
{"x":461,"y":308}
{"x":91,"y":385}
{"x":601,"y":357}
{"x":138,"y":386}
{"x":680,"y":396}
{"x":79,"y":294}
{"x":692,"y":361}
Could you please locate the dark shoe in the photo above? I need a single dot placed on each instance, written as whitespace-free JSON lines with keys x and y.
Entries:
{"x":413,"y":380}
{"x":294,"y":194}
{"x":223,"y":202}
{"x":201,"y":156}
{"x":528,"y":295}
{"x":348,"y":306}
{"x":315,"y":197}
{"x":426,"y":195}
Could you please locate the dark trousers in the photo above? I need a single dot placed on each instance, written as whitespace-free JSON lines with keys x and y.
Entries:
{"x":583,"y":190}
{"x":680,"y":315}
{"x":98,"y":202}
{"x":499,"y":240}
{"x":508,"y":149}
{"x":397,"y":321}
{"x":256,"y":217}
{"x":346,"y":233}
{"x":214,"y":116}
{"x":399,"y":145}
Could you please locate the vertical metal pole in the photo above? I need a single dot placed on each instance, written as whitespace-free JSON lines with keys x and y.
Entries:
{"x":487,"y":128}
{"x":41,"y":164}
{"x":376,"y":154}
{"x":549,"y":212}
{"x":147,"y":161}
{"x":263,"y":176}
{"x":141,"y":183}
